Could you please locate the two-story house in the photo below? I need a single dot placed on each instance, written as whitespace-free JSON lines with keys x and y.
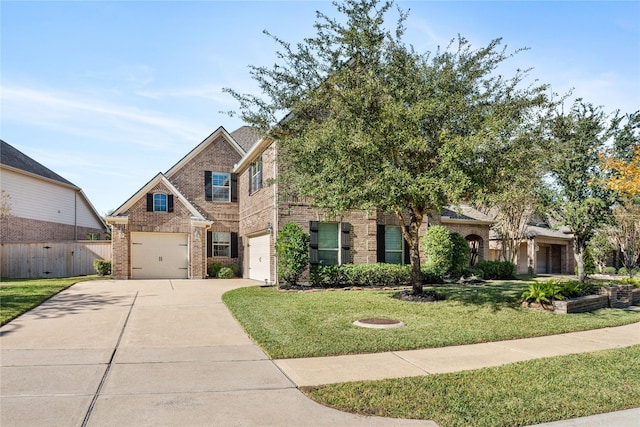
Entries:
{"x":221,"y":203}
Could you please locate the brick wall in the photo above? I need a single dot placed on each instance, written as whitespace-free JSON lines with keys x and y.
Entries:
{"x":16,"y":229}
{"x":218,"y":156}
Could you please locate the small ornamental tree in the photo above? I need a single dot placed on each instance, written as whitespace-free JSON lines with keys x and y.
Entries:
{"x":292,"y":251}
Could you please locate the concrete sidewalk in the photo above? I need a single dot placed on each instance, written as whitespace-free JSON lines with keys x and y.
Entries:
{"x":169,"y":353}
{"x":376,"y":366}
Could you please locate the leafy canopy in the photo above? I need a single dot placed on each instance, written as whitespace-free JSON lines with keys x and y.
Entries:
{"x":371,"y":123}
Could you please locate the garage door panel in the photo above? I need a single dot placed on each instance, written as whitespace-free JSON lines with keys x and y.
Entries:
{"x":159,"y":255}
{"x":260,"y":258}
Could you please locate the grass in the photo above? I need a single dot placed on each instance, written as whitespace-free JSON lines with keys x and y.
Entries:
{"x":308,"y":324}
{"x":518,"y":394}
{"x":20,"y":295}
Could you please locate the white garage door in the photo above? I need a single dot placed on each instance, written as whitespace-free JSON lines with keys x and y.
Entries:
{"x":260,"y":258}
{"x":159,"y":255}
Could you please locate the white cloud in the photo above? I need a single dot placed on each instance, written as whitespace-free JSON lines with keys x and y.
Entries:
{"x":92,"y":117}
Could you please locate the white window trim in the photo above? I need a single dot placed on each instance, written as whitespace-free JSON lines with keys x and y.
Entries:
{"x":214,"y":187}
{"x":166,"y":202}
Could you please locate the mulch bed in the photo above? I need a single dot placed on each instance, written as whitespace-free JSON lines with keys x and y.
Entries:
{"x":426,"y":296}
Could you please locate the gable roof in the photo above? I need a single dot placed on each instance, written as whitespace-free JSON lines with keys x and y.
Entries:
{"x":15,"y":159}
{"x":159,"y":178}
{"x":247,"y":136}
{"x":221,"y":131}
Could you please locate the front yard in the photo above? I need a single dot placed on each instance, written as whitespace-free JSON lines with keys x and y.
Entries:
{"x":308,"y":324}
{"x":20,"y":295}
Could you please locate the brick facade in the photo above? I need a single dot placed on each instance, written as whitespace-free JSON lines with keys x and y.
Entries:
{"x":255,"y":213}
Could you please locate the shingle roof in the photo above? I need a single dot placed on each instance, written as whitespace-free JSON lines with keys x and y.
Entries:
{"x":247,"y":137}
{"x":12,"y":157}
{"x":464,"y":212}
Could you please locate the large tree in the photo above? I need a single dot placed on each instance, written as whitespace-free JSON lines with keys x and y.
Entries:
{"x":583,"y":201}
{"x":372,"y":124}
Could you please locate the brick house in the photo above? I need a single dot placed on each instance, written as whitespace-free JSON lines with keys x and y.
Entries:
{"x":220,"y":204}
{"x":42,"y":205}
{"x":544,"y":250}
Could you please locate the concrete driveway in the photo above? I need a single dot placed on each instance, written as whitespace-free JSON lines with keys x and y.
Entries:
{"x":148,"y":353}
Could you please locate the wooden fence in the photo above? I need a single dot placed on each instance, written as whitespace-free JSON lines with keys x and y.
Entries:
{"x":52,"y":259}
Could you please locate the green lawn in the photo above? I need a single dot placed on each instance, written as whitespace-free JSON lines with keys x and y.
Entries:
{"x":307,"y":324}
{"x":20,"y":295}
{"x":518,"y":394}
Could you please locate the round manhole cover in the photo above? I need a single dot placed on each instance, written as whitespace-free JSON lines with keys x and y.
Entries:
{"x":379,"y":323}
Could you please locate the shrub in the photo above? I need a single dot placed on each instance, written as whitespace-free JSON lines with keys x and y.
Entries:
{"x":609,"y":270}
{"x":473,"y":272}
{"x":630,"y":281}
{"x":623,"y":271}
{"x":496,"y":270}
{"x":235,"y":269}
{"x":225,"y":273}
{"x":546,"y":292}
{"x":214,"y":269}
{"x":460,"y":256}
{"x":102,"y":266}
{"x":430,"y":277}
{"x":325,"y":276}
{"x":447,"y":253}
{"x":292,"y":250}
{"x":438,"y":249}
{"x":381,"y":274}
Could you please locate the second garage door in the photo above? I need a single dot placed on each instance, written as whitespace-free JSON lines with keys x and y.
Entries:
{"x":159,"y":255}
{"x":260,"y":258}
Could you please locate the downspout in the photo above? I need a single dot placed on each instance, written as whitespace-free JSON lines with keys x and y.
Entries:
{"x":275,"y":207}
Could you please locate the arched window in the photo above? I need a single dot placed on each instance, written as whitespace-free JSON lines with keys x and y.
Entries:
{"x":476,"y":244}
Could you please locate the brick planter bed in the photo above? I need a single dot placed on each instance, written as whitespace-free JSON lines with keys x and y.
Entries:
{"x":581,"y":304}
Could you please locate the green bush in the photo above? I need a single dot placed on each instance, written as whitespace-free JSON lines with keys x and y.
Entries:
{"x":546,"y":292}
{"x":473,"y":272}
{"x":623,"y":271}
{"x":214,"y":269}
{"x":363,"y":275}
{"x":496,"y":270}
{"x":292,"y":251}
{"x":235,"y":269}
{"x":438,"y":249}
{"x":461,"y":255}
{"x":102,"y":266}
{"x":225,"y":273}
{"x":630,"y":281}
{"x":447,"y":253}
{"x":609,"y":270}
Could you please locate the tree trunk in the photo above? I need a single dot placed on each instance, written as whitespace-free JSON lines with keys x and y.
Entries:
{"x":579,"y":247}
{"x":412,"y":236}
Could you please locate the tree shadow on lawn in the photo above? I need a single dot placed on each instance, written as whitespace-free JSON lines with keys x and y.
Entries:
{"x":494,"y":297}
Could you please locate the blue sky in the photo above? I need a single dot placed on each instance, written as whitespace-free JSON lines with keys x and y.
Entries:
{"x":107,"y":94}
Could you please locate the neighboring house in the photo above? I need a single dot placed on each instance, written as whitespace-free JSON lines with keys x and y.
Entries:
{"x":543,"y":251}
{"x":220,"y":203}
{"x":41,"y":205}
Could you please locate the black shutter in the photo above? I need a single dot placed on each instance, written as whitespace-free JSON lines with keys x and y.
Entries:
{"x":380,"y":244}
{"x":345,"y":243}
{"x":234,"y":245}
{"x":170,"y":203}
{"x":209,"y":244}
{"x":208,"y":186}
{"x":149,"y":202}
{"x":313,"y":242}
{"x":234,"y":187}
{"x":407,"y":255}
{"x":250,"y":178}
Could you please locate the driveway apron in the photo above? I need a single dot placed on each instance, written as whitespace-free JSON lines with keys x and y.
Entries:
{"x":148,"y":353}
